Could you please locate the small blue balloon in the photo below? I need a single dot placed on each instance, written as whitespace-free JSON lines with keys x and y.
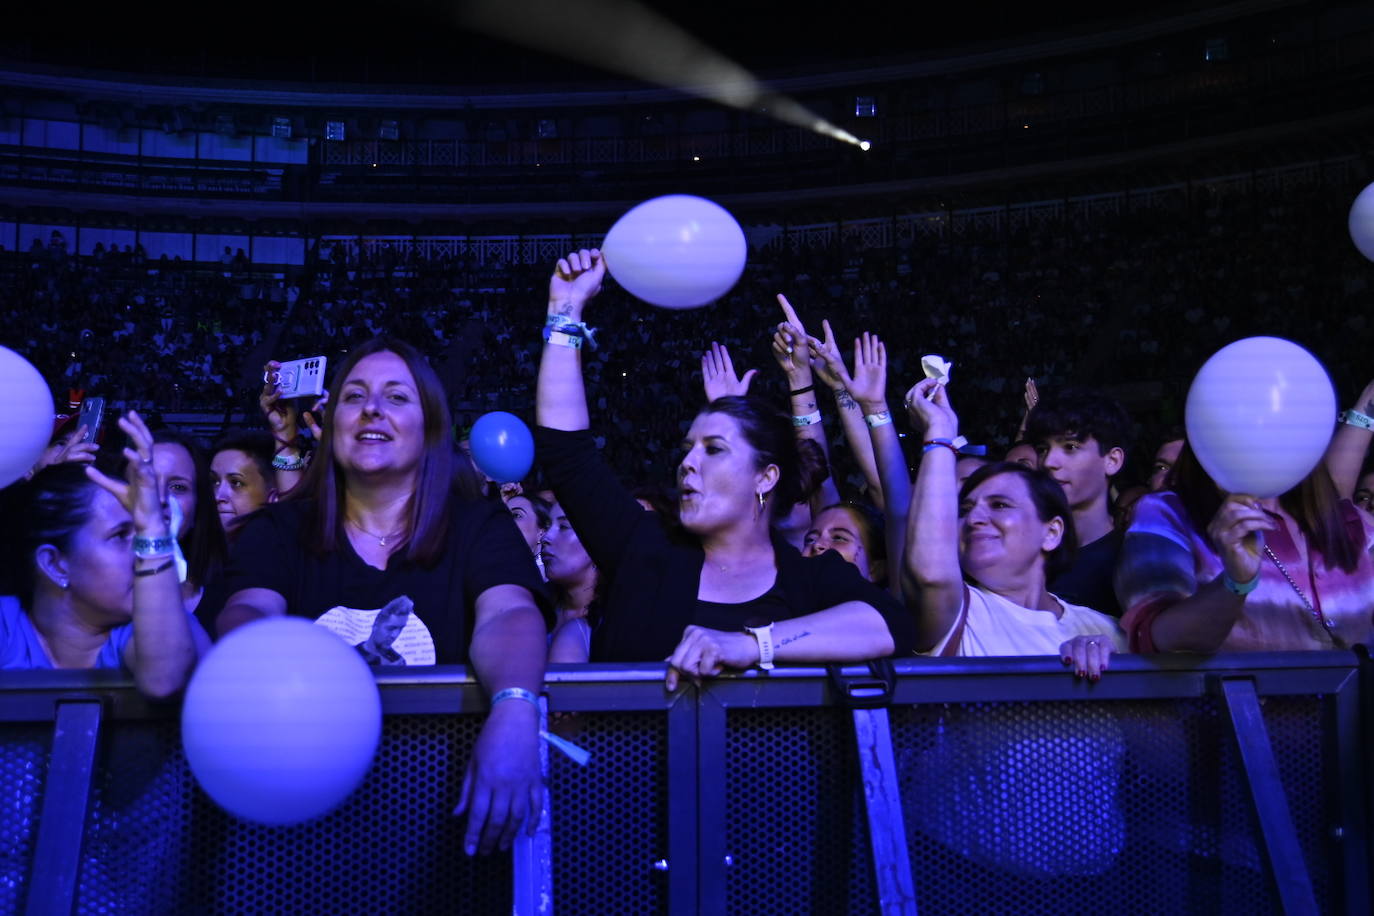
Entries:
{"x":502,"y":447}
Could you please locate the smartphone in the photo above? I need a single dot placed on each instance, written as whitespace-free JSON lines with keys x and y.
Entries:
{"x":301,"y":378}
{"x":88,"y":423}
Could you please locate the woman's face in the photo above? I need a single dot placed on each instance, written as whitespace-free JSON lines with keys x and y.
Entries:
{"x":100,"y":561}
{"x":718,"y":476}
{"x":839,"y":529}
{"x":565,"y":559}
{"x":1000,"y":530}
{"x":176,"y":479}
{"x":239,"y":485}
{"x":522,"y":510}
{"x":379,"y":424}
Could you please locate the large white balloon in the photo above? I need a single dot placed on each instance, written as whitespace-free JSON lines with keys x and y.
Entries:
{"x":1260,"y":415}
{"x":1362,"y":222}
{"x":26,"y":417}
{"x":677,"y":251}
{"x":281,"y":721}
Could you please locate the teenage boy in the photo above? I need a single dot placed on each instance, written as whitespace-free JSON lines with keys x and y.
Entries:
{"x":1080,"y":439}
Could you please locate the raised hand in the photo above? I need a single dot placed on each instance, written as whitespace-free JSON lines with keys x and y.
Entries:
{"x":138,"y":492}
{"x":576,"y":278}
{"x":826,"y":361}
{"x":868,"y":384}
{"x":928,"y":409}
{"x":718,"y":374}
{"x":789,"y":347}
{"x":281,"y":415}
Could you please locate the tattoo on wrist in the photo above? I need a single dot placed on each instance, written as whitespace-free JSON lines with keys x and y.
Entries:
{"x":562,"y":309}
{"x":844,"y":399}
{"x":801,"y":635}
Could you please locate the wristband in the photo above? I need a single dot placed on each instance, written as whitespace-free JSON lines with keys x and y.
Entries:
{"x":764,"y":636}
{"x":1239,"y":589}
{"x":802,"y":390}
{"x":578,"y":330}
{"x":1353,"y":417}
{"x":282,"y":463}
{"x":142,"y":573}
{"x":807,"y":419}
{"x":515,"y":693}
{"x":930,"y":444}
{"x":562,"y":339}
{"x":881,"y":418}
{"x":154,"y":548}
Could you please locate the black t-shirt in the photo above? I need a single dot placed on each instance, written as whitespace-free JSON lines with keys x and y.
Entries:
{"x":1089,"y":581}
{"x":769,"y":607}
{"x":424,"y":615}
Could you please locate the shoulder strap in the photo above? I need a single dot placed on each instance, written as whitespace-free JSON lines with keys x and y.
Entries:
{"x":957,"y":636}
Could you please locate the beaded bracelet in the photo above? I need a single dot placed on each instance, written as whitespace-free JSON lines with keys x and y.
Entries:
{"x":142,"y":573}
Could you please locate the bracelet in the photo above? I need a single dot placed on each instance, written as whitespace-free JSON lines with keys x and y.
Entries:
{"x":577,"y":330}
{"x":939,"y":443}
{"x":142,"y":573}
{"x":281,"y":463}
{"x":807,"y":419}
{"x":881,"y":418}
{"x":515,"y":693}
{"x":811,"y":387}
{"x":1239,"y":589}
{"x":1353,"y":417}
{"x":154,"y":548}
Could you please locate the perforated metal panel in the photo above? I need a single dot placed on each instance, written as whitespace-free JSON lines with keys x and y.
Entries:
{"x":23,"y":768}
{"x":157,"y":844}
{"x":1131,"y":807}
{"x":795,"y":832}
{"x":610,"y":817}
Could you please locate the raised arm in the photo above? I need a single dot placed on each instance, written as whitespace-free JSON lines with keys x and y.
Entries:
{"x":868,"y":386}
{"x":1346,"y":453}
{"x":560,"y":398}
{"x":166,"y":641}
{"x":829,"y":368}
{"x":793,"y":357}
{"x":502,"y":789}
{"x":935,"y":581}
{"x":718,"y":378}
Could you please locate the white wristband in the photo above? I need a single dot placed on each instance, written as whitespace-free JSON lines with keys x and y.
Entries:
{"x":881,"y":418}
{"x":1353,"y":417}
{"x":764,"y":636}
{"x":807,"y":419}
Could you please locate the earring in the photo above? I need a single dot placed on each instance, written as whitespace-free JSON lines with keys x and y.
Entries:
{"x":63,"y":583}
{"x":761,"y":503}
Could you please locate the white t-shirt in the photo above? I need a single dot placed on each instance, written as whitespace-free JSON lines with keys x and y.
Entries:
{"x":996,"y":626}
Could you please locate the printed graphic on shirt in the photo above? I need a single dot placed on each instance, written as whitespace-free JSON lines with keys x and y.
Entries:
{"x":391,"y":635}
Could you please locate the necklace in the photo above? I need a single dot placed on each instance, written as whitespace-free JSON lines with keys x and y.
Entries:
{"x":380,"y":538}
{"x":1316,"y":615}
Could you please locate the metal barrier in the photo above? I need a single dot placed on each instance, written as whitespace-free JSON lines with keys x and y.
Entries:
{"x":1232,"y":784}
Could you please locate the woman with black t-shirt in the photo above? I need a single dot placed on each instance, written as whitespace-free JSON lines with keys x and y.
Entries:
{"x":725,"y":591}
{"x":383,"y":514}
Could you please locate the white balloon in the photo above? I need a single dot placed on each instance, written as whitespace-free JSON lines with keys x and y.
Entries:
{"x":26,"y":420}
{"x":678,"y":251}
{"x":1361,"y":222}
{"x":1260,"y":415}
{"x":281,"y":721}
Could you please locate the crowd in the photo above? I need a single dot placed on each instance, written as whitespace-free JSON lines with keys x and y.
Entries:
{"x":723,"y":537}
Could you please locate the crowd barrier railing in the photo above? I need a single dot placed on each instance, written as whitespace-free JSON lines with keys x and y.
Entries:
{"x":1229,"y":784}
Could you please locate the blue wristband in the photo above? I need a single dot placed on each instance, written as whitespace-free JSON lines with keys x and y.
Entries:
{"x":1240,"y":589}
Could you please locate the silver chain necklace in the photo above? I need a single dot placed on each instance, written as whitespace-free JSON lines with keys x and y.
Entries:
{"x":1328,"y":625}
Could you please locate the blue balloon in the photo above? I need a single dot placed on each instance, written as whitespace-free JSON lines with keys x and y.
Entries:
{"x":502,"y":447}
{"x":281,"y":721}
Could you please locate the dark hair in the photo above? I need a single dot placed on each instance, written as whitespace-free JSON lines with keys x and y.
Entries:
{"x":1050,"y":503}
{"x":440,"y":473}
{"x":52,"y":506}
{"x":257,"y":445}
{"x":657,"y":497}
{"x":1313,"y":503}
{"x":1081,"y":413}
{"x":770,"y":434}
{"x":204,"y":545}
{"x":543,"y":511}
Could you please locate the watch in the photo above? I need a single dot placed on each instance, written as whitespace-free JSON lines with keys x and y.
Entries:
{"x":764,"y":636}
